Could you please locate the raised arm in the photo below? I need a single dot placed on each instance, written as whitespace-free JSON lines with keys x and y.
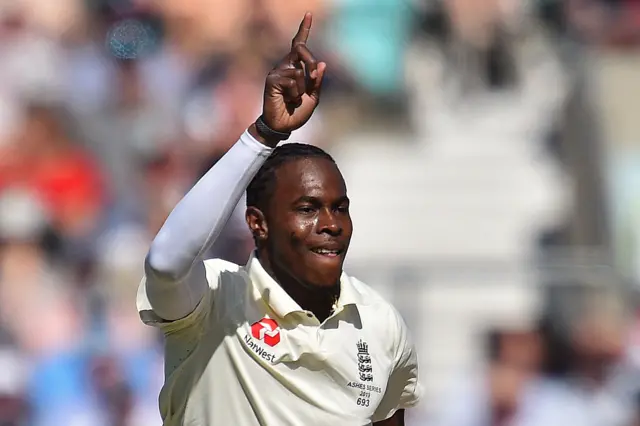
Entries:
{"x":175,"y":273}
{"x":175,"y":279}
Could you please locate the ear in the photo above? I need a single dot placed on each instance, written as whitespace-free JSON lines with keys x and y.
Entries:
{"x":257,"y":224}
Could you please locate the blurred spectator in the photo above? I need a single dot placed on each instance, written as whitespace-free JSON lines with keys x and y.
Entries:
{"x":65,"y":178}
{"x":612,"y":23}
{"x":197,"y":29}
{"x":495,"y":396}
{"x":636,"y":414}
{"x":593,"y":387}
{"x":116,"y":397}
{"x":274,"y":19}
{"x":369,"y":38}
{"x":93,"y":390}
{"x":56,"y":20}
{"x":126,"y":132}
{"x":14,"y":408}
{"x":32,"y":66}
{"x":31,"y":286}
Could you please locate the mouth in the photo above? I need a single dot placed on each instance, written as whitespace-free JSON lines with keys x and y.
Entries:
{"x":328,"y":252}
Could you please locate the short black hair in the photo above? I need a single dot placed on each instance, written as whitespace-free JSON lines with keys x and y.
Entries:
{"x":261,"y":187}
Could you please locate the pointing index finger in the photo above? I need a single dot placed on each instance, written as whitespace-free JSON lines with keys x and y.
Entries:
{"x":303,"y":31}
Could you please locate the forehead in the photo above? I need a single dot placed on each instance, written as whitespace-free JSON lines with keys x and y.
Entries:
{"x":309,"y":177}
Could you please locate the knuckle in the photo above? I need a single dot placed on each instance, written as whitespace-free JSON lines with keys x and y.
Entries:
{"x":271,"y":81}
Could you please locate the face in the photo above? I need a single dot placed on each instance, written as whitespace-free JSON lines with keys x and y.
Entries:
{"x":600,"y":338}
{"x":522,"y":351}
{"x":306,"y":230}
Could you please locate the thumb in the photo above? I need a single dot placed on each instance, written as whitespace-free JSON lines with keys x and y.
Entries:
{"x":316,"y":83}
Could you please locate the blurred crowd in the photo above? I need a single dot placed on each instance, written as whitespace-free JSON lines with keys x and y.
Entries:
{"x":583,"y":372}
{"x":111,"y":109}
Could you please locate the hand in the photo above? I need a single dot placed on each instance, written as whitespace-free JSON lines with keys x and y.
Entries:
{"x":292,"y":89}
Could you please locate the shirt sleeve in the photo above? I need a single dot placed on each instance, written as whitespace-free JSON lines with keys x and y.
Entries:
{"x":195,"y":317}
{"x":403,"y":388}
{"x":176,"y":279}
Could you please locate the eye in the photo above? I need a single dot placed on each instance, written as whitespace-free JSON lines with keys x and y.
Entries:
{"x":305,"y":209}
{"x":344,"y":208}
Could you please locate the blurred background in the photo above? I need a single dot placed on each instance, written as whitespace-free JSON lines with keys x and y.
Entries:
{"x":492,"y":153}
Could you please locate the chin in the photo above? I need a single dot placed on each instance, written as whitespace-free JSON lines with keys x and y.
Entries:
{"x":324,"y":282}
{"x":324,"y":277}
{"x":325,"y":272}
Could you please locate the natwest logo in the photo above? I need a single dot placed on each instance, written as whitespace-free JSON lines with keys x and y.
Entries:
{"x":266,"y":330}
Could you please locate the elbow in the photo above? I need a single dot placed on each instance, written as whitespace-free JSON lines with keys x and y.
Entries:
{"x":160,"y":264}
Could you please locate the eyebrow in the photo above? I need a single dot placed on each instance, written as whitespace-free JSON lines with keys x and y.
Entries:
{"x":316,"y":200}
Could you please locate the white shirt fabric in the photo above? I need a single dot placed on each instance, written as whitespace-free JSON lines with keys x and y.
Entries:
{"x":240,"y":351}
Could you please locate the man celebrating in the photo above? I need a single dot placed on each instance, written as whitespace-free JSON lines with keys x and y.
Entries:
{"x":288,"y":339}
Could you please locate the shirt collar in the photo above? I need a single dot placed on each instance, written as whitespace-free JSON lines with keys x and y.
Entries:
{"x":281,"y":303}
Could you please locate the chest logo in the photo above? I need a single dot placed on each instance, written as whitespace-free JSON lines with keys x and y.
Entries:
{"x":266,"y":330}
{"x":365,"y":368}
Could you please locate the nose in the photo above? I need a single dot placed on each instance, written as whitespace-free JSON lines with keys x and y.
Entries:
{"x":329,"y":223}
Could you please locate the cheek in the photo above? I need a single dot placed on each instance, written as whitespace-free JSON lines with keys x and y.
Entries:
{"x":299,"y":229}
{"x":348,"y":226}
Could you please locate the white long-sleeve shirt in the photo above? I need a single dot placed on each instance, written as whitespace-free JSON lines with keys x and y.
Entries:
{"x":174,"y":270}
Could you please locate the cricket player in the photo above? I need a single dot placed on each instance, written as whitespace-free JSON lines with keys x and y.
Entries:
{"x":288,"y":338}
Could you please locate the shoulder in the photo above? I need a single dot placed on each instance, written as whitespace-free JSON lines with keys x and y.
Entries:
{"x":219,"y":272}
{"x":219,"y":266}
{"x":380,"y":312}
{"x":228,"y":282}
{"x":372,"y":299}
{"x":369,"y":295}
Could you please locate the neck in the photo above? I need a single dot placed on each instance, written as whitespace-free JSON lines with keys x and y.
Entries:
{"x":319,"y":300}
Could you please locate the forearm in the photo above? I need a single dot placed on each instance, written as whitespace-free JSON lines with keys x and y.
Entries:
{"x":194,"y":225}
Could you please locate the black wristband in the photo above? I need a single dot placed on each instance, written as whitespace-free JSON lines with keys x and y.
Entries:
{"x":268,"y":133}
